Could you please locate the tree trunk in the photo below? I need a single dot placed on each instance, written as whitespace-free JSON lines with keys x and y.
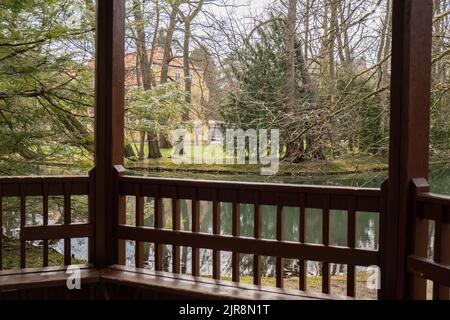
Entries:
{"x":146,"y":73}
{"x":129,"y":152}
{"x":187,"y":19}
{"x":291,"y":84}
{"x":334,"y":136}
{"x":141,"y":144}
{"x":153,"y":146}
{"x":141,"y":47}
{"x":168,"y":45}
{"x":385,"y":48}
{"x":186,"y":67}
{"x":306,"y":44}
{"x":164,"y":141}
{"x":294,"y":149}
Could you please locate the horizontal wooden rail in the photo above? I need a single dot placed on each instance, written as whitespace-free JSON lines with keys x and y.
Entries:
{"x":37,"y":186}
{"x":434,"y":207}
{"x":55,"y":232}
{"x":366,"y":199}
{"x":429,"y":269}
{"x":263,"y":247}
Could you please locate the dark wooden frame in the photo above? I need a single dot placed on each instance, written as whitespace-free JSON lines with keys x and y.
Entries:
{"x":109,"y":121}
{"x":409,"y":143}
{"x":403,"y":202}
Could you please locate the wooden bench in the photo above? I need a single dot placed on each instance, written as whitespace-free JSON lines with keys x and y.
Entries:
{"x":201,"y":288}
{"x":120,"y":282}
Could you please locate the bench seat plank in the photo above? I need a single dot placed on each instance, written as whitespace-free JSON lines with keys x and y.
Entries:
{"x":43,"y":277}
{"x":163,"y":282}
{"x":202,"y":287}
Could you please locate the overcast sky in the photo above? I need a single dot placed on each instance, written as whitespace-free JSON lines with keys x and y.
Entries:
{"x":245,"y":7}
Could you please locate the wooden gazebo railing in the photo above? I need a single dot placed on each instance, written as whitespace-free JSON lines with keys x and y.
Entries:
{"x":435,"y":208}
{"x":403,"y":203}
{"x":353,"y":200}
{"x":45,"y":187}
{"x":325,"y":198}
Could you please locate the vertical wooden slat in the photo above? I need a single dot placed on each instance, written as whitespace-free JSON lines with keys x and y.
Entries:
{"x":91,"y":208}
{"x":139,"y":222}
{"x":303,"y":269}
{"x":159,"y":250}
{"x":1,"y":227}
{"x":437,"y":248}
{"x":257,"y":233}
{"x":416,"y":287}
{"x":236,"y":226}
{"x":195,"y":229}
{"x":383,"y":238}
{"x":67,"y":221}
{"x":351,"y":242}
{"x":280,"y":237}
{"x":326,"y":242}
{"x":119,"y":218}
{"x":45,"y":222}
{"x":444,"y":292}
{"x":176,"y":226}
{"x":22,"y":225}
{"x":216,"y":231}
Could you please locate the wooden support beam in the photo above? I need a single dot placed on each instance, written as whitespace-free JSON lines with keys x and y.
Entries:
{"x":109,"y":121}
{"x":409,"y":139}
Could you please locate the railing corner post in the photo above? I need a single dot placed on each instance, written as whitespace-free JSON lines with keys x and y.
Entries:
{"x":119,"y":211}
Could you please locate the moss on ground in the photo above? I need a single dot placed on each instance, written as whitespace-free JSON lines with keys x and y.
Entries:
{"x":319,"y":167}
{"x":34,"y":256}
{"x":347,"y":164}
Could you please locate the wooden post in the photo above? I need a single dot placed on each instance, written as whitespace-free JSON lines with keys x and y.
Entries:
{"x":409,"y":140}
{"x":109,"y":120}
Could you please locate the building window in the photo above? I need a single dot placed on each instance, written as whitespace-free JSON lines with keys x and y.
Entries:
{"x":177,"y":76}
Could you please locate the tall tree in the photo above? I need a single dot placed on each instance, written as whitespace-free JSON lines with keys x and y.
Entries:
{"x":193,"y":10}
{"x":167,"y":55}
{"x":146,"y":72}
{"x":46,"y":92}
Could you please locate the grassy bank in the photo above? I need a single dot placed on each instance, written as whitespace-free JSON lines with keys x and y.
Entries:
{"x":357,"y":164}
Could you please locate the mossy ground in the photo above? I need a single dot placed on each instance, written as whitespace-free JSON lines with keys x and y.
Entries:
{"x":34,"y":256}
{"x":346,"y":164}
